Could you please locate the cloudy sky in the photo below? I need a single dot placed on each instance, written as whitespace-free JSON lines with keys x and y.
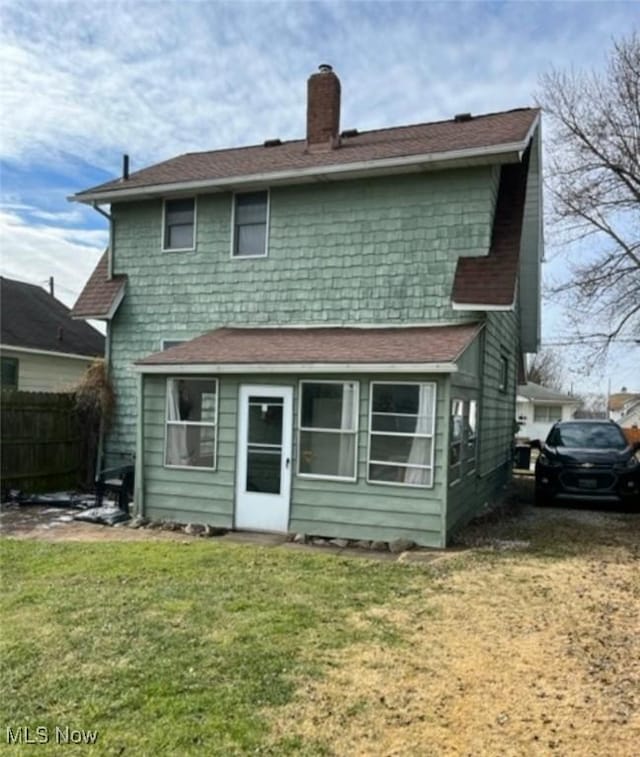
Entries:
{"x":84,"y":82}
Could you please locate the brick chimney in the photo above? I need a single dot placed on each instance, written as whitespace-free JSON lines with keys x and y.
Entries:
{"x":323,"y":110}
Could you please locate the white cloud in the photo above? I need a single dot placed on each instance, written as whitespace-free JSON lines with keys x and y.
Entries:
{"x":86,"y":81}
{"x":33,"y":253}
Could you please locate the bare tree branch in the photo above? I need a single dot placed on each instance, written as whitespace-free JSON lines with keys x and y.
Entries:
{"x":594,"y":181}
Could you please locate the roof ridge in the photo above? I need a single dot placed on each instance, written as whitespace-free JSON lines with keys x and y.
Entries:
{"x":415,"y":125}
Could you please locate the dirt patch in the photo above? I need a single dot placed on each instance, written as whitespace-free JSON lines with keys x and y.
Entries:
{"x":515,"y":651}
{"x":57,"y":524}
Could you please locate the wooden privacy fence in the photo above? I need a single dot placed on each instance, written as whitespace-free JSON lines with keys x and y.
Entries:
{"x":44,"y":443}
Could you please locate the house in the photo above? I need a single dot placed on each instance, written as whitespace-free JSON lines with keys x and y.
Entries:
{"x":624,"y":407}
{"x":538,"y":408}
{"x":324,"y":335}
{"x":630,"y":417}
{"x":41,"y":347}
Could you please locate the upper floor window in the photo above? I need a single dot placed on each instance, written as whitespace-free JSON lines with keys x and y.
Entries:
{"x":179,"y":224}
{"x":250,"y":221}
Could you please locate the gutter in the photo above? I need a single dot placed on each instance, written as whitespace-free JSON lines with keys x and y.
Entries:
{"x":509,"y":152}
{"x":306,"y":368}
{"x":48,"y":353}
{"x":109,"y":218}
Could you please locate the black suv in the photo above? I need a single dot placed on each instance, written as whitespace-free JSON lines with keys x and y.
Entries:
{"x":587,"y":460}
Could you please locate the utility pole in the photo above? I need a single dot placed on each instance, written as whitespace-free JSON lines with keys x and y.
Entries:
{"x":51,"y":285}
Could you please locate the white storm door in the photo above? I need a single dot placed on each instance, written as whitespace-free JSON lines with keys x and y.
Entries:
{"x":263,"y":481}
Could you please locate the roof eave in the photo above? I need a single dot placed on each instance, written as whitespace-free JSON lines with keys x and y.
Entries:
{"x":506,"y":153}
{"x":482,"y":306}
{"x":299,"y":368}
{"x":104,"y":316}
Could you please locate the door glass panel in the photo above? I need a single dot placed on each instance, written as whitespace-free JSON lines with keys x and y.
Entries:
{"x":265,"y":421}
{"x":264,"y":445}
{"x":263,"y":470}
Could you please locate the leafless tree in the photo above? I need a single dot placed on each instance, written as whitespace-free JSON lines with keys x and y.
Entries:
{"x":593,"y":157}
{"x":545,"y":368}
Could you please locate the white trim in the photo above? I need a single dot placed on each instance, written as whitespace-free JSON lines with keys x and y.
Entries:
{"x":48,"y":353}
{"x":431,"y":436}
{"x":424,"y":161}
{"x":471,"y":306}
{"x":213,"y":425}
{"x":266,"y":503}
{"x":374,"y":325}
{"x":355,"y":431}
{"x":265,"y":254}
{"x":306,"y":368}
{"x":195,"y":225}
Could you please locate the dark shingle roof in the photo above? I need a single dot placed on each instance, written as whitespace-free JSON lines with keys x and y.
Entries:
{"x":412,"y":344}
{"x":485,"y":131}
{"x":491,"y":280}
{"x":100,"y":294}
{"x":33,"y":319}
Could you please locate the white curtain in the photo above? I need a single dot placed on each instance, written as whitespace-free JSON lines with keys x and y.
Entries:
{"x":419,"y":446}
{"x":347,"y":423}
{"x":177,"y":453}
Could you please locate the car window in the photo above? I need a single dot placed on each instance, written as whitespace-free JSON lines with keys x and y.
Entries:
{"x":587,"y":436}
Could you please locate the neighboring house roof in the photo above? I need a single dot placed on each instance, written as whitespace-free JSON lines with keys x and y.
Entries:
{"x":543,"y":396}
{"x":356,"y":347}
{"x":494,"y":132}
{"x":101,"y":295}
{"x":32,"y":319}
{"x":491,"y":280}
{"x":618,"y":400}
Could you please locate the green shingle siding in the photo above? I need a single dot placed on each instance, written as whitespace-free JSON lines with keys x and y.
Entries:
{"x":495,"y":429}
{"x":368,"y":251}
{"x":318,"y":506}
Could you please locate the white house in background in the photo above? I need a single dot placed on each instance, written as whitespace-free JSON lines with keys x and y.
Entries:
{"x":538,"y":408}
{"x":624,"y":408}
{"x":42,"y":349}
{"x":630,"y":416}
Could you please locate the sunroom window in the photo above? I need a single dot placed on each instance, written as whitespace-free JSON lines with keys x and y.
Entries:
{"x":402,"y":420}
{"x":192,"y":410}
{"x":328,"y":423}
{"x":462,"y":438}
{"x":179,"y":224}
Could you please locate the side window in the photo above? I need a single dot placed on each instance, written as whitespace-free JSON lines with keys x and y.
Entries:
{"x":462,"y":438}
{"x":179,"y":224}
{"x":250,"y":221}
{"x":328,"y":423}
{"x":401,"y":429}
{"x":503,"y":381}
{"x":9,"y":373}
{"x":455,"y":439}
{"x":191,"y":421}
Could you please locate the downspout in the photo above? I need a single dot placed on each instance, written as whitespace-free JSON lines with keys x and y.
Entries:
{"x":109,"y":218}
{"x":107,"y":341}
{"x":138,"y":495}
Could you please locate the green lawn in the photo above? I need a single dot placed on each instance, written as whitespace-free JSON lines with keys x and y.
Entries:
{"x":170,"y":648}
